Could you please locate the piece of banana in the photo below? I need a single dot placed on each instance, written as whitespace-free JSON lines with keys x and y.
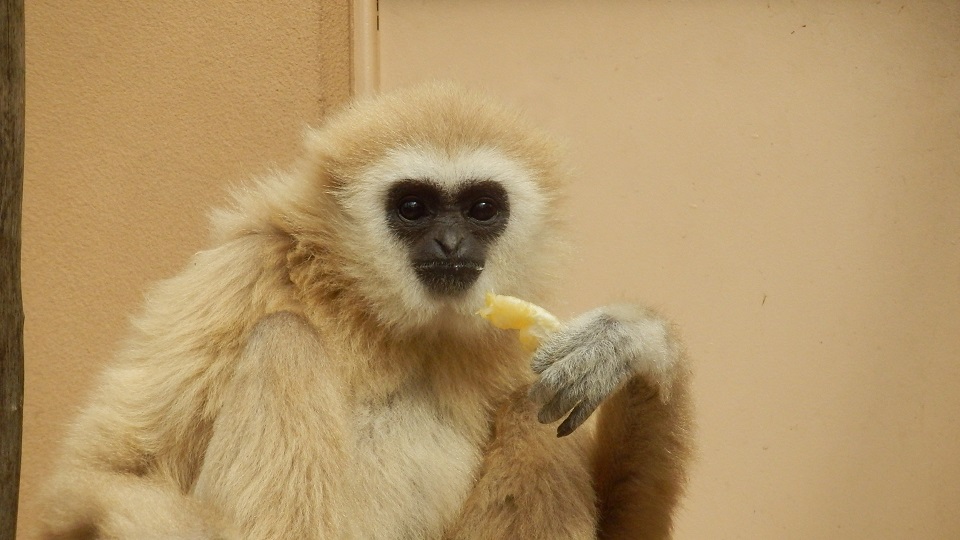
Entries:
{"x":531,"y":321}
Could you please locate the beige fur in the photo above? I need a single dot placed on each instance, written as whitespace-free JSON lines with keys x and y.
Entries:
{"x":296,"y":381}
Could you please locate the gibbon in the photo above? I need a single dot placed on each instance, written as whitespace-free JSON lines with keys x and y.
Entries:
{"x":320,"y":371}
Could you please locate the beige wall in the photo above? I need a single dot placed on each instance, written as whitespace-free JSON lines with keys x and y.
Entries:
{"x":784,"y":179}
{"x":138,"y":116}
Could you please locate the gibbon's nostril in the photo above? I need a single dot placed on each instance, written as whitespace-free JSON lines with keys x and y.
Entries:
{"x":448,"y":241}
{"x":447,"y":246}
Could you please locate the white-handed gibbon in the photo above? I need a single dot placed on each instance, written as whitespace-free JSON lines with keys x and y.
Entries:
{"x":320,"y":371}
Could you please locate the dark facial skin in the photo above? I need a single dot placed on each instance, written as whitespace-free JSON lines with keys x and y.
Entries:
{"x":447,"y":233}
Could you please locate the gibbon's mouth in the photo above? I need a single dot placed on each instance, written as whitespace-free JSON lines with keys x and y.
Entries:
{"x":448,"y":277}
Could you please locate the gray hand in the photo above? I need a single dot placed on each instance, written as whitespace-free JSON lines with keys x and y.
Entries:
{"x":587,"y":361}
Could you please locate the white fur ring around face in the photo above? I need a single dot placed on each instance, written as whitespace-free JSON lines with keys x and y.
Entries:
{"x":532,"y":322}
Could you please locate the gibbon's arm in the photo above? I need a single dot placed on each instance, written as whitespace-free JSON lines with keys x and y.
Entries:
{"x":628,"y":359}
{"x":132,"y":456}
{"x":277,"y":466}
{"x":111,"y":483}
{"x":530,"y":484}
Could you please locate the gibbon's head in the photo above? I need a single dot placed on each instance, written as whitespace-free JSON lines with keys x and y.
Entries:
{"x":417,"y":203}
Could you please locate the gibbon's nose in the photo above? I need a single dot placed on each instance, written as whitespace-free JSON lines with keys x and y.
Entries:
{"x":449,"y":241}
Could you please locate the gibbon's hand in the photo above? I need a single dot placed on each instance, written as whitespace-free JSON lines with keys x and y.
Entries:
{"x":593,"y":356}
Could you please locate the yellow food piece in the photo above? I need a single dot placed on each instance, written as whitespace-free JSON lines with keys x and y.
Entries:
{"x":532,"y":322}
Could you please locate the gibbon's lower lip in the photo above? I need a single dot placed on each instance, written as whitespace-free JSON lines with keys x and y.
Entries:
{"x":448,"y":277}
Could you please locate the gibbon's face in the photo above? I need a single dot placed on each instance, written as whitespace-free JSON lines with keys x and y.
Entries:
{"x":435,"y":229}
{"x":435,"y":196}
{"x":448,"y":230}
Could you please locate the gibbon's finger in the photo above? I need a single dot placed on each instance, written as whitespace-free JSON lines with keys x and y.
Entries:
{"x":540,"y":392}
{"x":554,"y":380}
{"x":578,"y":416}
{"x":557,"y":347}
{"x":558,"y":406}
{"x":544,"y":358}
{"x":541,"y":362}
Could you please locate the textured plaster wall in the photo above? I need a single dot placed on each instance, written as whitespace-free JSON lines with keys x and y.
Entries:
{"x":784,"y":179}
{"x":138,"y":116}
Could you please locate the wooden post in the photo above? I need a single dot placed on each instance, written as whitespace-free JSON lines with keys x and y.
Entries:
{"x":12,"y":84}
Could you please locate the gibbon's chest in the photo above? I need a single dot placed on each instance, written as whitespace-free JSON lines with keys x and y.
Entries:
{"x":413,"y":466}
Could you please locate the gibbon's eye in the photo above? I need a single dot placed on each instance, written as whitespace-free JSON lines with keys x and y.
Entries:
{"x":483,"y":210}
{"x":412,"y":208}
